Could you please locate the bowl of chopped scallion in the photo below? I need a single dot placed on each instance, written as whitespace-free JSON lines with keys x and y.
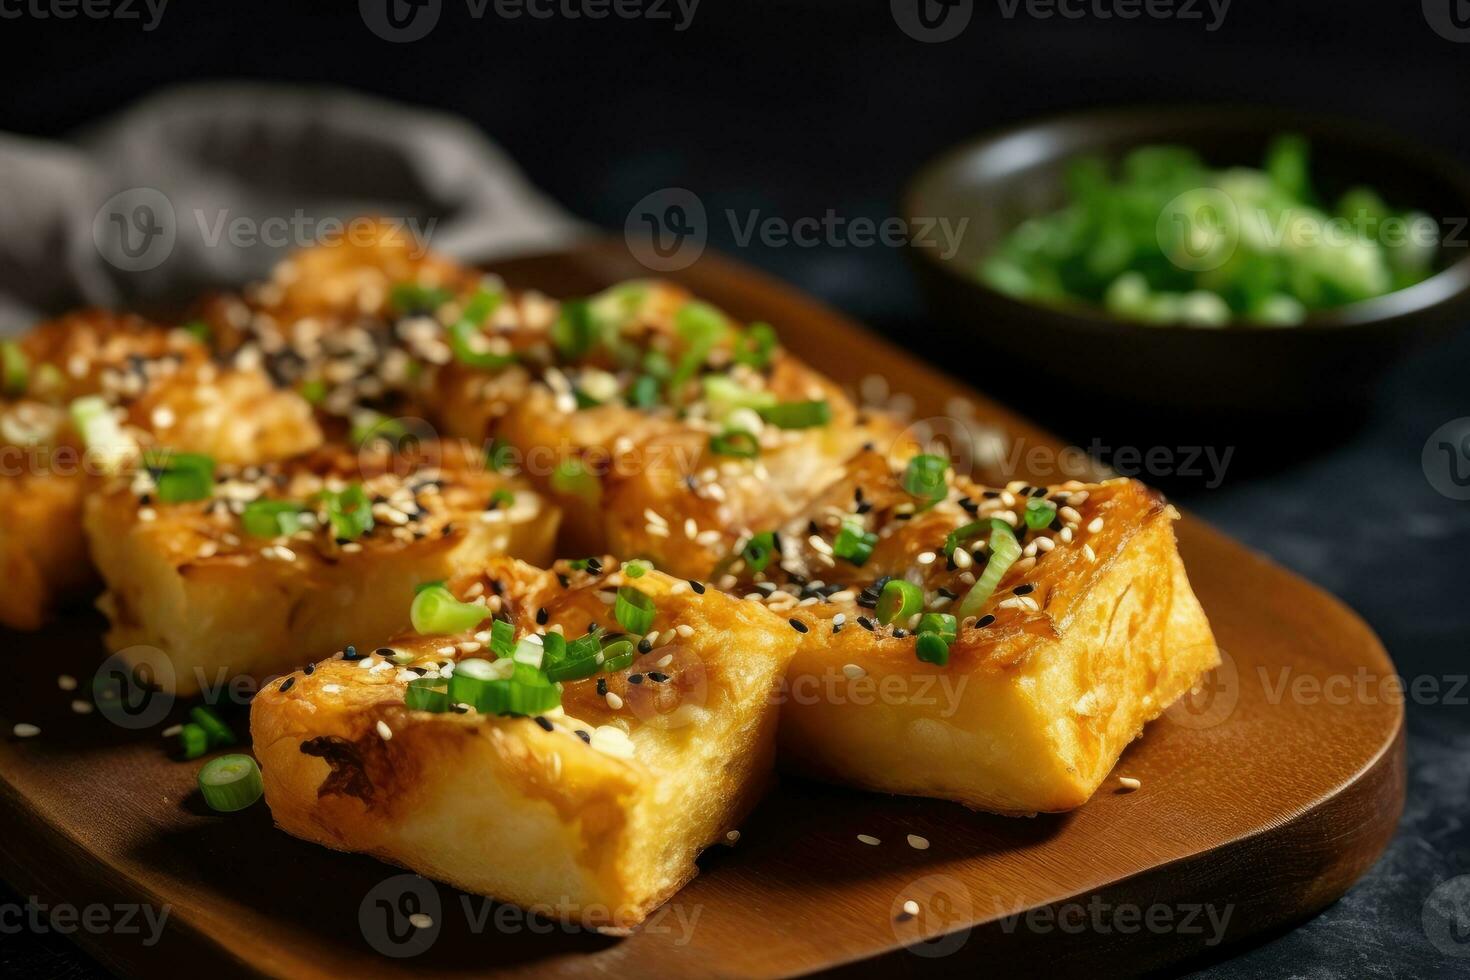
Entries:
{"x":1208,"y":258}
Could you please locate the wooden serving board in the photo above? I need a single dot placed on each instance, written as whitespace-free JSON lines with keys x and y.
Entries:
{"x":1260,"y":800}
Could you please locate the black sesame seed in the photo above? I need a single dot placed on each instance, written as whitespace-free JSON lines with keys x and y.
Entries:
{"x":1025,"y":589}
{"x":992,"y":494}
{"x":602,"y":687}
{"x":863,"y":507}
{"x":635,"y":678}
{"x":497,"y":587}
{"x":811,"y":528}
{"x":797,"y":625}
{"x":985,"y":620}
{"x":1039,"y":492}
{"x":946,"y":593}
{"x":286,"y":684}
{"x":385,"y":651}
{"x":421,"y":671}
{"x":899,"y":632}
{"x":459,"y":709}
{"x":594,"y":565}
{"x":968,"y":505}
{"x":657,"y":676}
{"x":837,"y":628}
{"x":544,"y":722}
{"x":584,"y":736}
{"x":309,"y":669}
{"x":865,"y":623}
{"x":645,"y":645}
{"x":565,"y":582}
{"x":541,"y":616}
{"x":351,"y":653}
{"x":698,"y":587}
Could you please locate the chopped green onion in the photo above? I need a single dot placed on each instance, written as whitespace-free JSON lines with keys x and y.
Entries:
{"x":1004,"y":550}
{"x":314,"y":391}
{"x":944,"y":624}
{"x":759,"y":551}
{"x":349,"y":511}
{"x":1039,"y":513}
{"x":932,"y":648}
{"x":898,"y":601}
{"x":101,"y":433}
{"x":636,"y":568}
{"x":618,"y":655}
{"x":572,"y":478}
{"x":502,"y":688}
{"x":573,"y":333}
{"x":194,"y":741}
{"x":577,"y":660}
{"x":214,"y":727}
{"x":962,"y":533}
{"x":756,"y":346}
{"x":436,"y":610}
{"x":199,"y":330}
{"x":369,"y":426}
{"x":853,"y":543}
{"x":735,"y":442}
{"x":16,"y":369}
{"x":180,"y":477}
{"x":428,"y":694}
{"x":467,"y":336}
{"x":644,"y":392}
{"x":702,"y":326}
{"x":230,"y":783}
{"x":924,"y":478}
{"x":724,"y":395}
{"x":533,"y":653}
{"x":501,"y":496}
{"x":633,"y":610}
{"x":500,"y":456}
{"x":798,"y":415}
{"x":471,"y":675}
{"x":502,"y":639}
{"x":271,"y":518}
{"x":410,"y":297}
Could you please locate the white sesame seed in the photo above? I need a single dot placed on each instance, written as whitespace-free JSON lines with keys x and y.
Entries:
{"x":1045,"y":544}
{"x":962,"y":558}
{"x":911,"y":907}
{"x":147,"y":514}
{"x":332,"y":688}
{"x":1065,"y":535}
{"x":385,"y":731}
{"x":656,"y":530}
{"x":869,"y":839}
{"x":613,"y":701}
{"x":653,"y":517}
{"x":81,"y":707}
{"x":420,"y":921}
{"x":24,"y":730}
{"x":853,"y":671}
{"x":918,"y":843}
{"x":1089,"y":553}
{"x":1095,"y":525}
{"x":925,"y":558}
{"x":171,"y":731}
{"x":684,"y":630}
{"x":1070,"y":515}
{"x":732,"y":836}
{"x":1129,"y":783}
{"x":66,"y":682}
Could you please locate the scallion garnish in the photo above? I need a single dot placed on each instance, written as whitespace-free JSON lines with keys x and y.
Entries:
{"x":575,"y":660}
{"x":467,"y":337}
{"x":349,"y":511}
{"x":198,"y":329}
{"x":756,"y":346}
{"x":180,"y":477}
{"x":101,"y":433}
{"x":230,"y":783}
{"x":759,"y":551}
{"x":572,"y":478}
{"x":436,"y":610}
{"x":500,"y":456}
{"x":501,"y":496}
{"x":1039,"y":513}
{"x":214,"y":727}
{"x":618,"y":655}
{"x":932,"y":648}
{"x":633,"y":610}
{"x":853,"y":543}
{"x":409,"y":297}
{"x":16,"y":369}
{"x":924,"y":478}
{"x":898,"y":601}
{"x":369,"y":426}
{"x":428,"y":694}
{"x":962,"y":533}
{"x":502,"y":639}
{"x":574,"y":332}
{"x":724,"y":395}
{"x":798,"y":415}
{"x":193,"y":741}
{"x":944,"y":624}
{"x":1004,"y":550}
{"x":502,"y":688}
{"x":636,"y":568}
{"x":271,"y":518}
{"x":644,"y":392}
{"x":735,"y":442}
{"x":702,"y":327}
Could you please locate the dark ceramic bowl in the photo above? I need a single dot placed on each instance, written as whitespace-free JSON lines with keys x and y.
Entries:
{"x":1331,"y":360}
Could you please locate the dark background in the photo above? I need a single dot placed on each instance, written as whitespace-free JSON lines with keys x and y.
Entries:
{"x":796,"y":108}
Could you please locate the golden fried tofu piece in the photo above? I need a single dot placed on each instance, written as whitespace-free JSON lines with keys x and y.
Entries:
{"x":1092,"y":632}
{"x":597,"y":808}
{"x":163,"y":387}
{"x":226,"y":589}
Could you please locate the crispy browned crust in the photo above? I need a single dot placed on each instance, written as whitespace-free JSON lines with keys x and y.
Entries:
{"x":497,"y":805}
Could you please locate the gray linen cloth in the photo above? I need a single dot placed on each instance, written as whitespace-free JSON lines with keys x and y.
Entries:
{"x":207,"y":186}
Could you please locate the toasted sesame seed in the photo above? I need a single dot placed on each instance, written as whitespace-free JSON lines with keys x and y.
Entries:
{"x":1095,"y":525}
{"x":1089,"y":553}
{"x":24,"y":730}
{"x":420,"y":920}
{"x":925,"y":558}
{"x":66,"y":682}
{"x":684,"y":630}
{"x":918,"y":843}
{"x":1129,"y":783}
{"x":732,"y":836}
{"x":171,"y":731}
{"x":384,"y":731}
{"x":613,"y":701}
{"x":869,"y":839}
{"x":81,"y":707}
{"x":911,"y":907}
{"x":853,"y":671}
